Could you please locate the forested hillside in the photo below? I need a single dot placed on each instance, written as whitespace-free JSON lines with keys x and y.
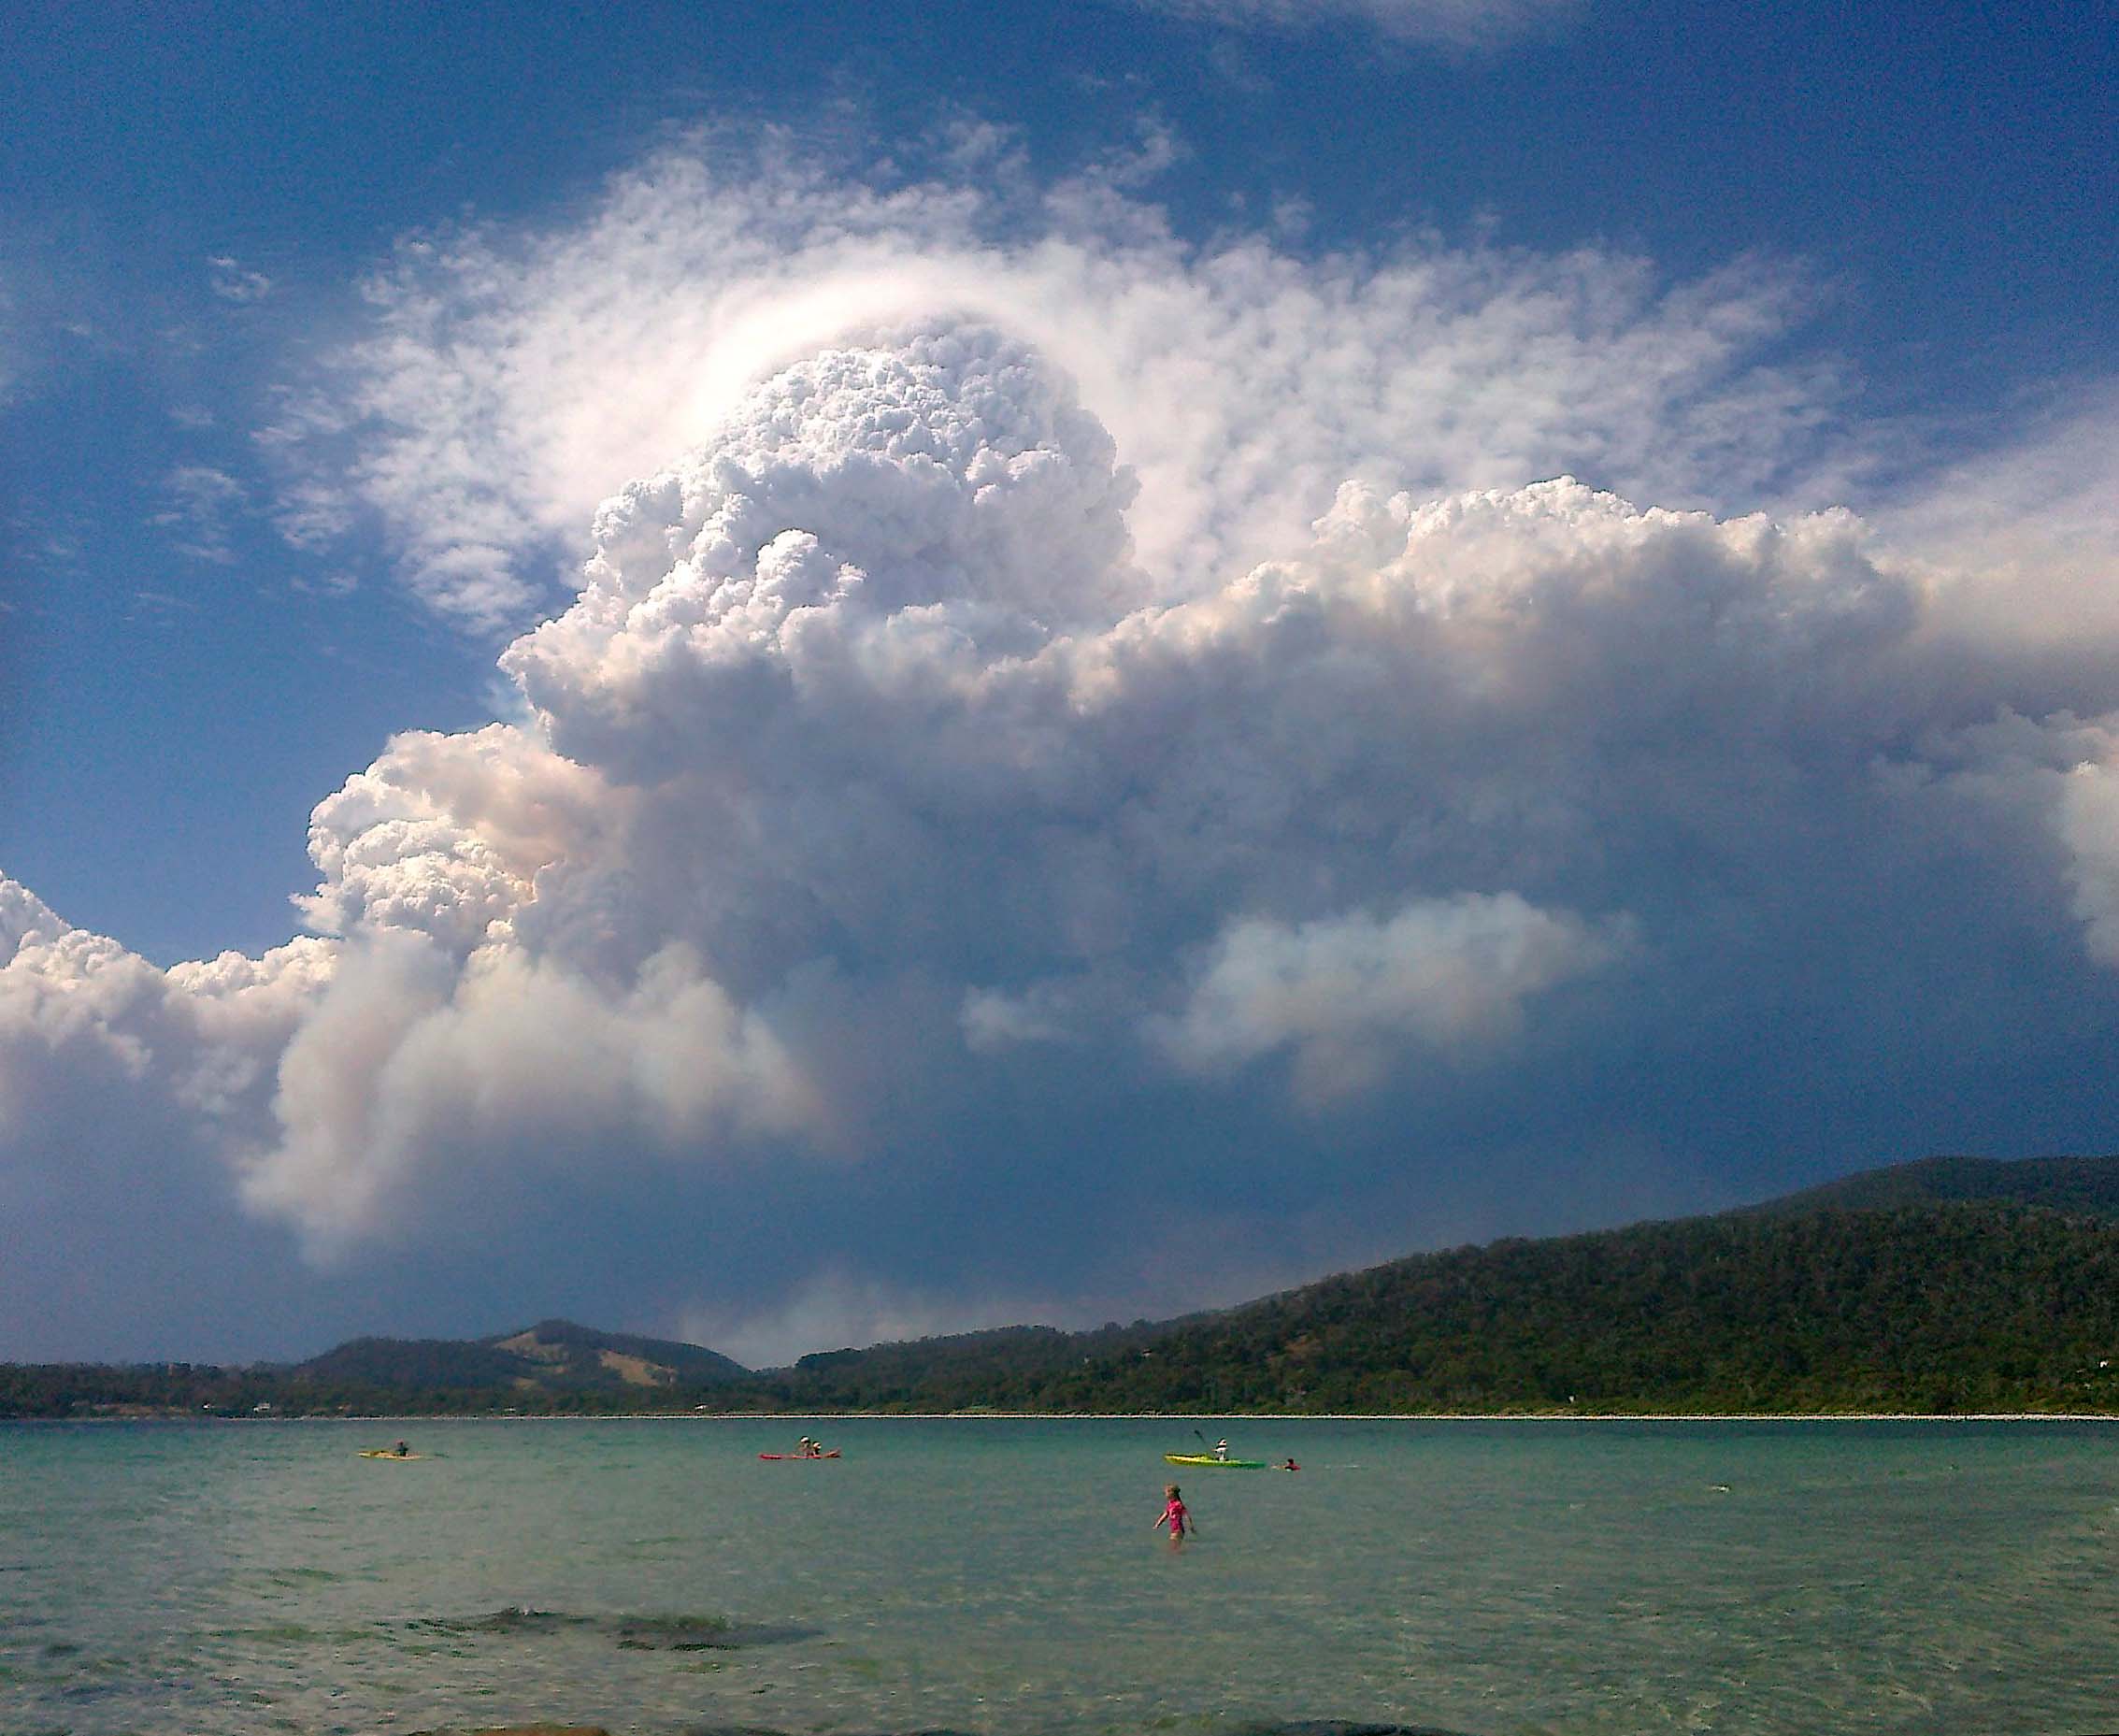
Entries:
{"x":2086,"y":1185}
{"x":553,"y":1356}
{"x":1927,"y":1287}
{"x":1929,"y":1308}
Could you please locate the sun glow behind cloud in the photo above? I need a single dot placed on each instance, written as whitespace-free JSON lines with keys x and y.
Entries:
{"x":513,"y":379}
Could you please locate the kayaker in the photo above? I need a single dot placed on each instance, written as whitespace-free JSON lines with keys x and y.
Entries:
{"x":811,"y":1449}
{"x":402,"y":1450}
{"x":1290,"y":1465}
{"x":1222,"y":1448}
{"x":1175,"y":1514}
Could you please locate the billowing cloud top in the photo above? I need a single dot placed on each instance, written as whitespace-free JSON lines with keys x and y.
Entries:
{"x":896,"y":837}
{"x":510,"y":380}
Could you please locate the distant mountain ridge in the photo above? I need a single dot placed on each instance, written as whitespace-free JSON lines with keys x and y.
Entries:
{"x":2089,"y":1185}
{"x":1949,"y":1284}
{"x":553,"y":1356}
{"x":1944,"y":1283}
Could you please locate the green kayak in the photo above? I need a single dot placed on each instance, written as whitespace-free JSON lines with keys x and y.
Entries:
{"x":1208,"y":1461}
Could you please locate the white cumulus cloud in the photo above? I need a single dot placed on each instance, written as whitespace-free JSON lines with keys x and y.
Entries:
{"x":500,"y":1068}
{"x":1052,"y":708}
{"x":79,"y":1006}
{"x":1346,"y":993}
{"x":512,"y":378}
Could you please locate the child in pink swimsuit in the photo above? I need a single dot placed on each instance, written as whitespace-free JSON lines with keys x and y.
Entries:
{"x":1175,"y":1514}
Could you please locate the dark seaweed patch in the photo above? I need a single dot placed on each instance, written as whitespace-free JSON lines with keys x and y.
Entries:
{"x":1316,"y":1726}
{"x":632,"y":1633}
{"x":520,"y":1619}
{"x":701,"y":1633}
{"x":676,"y":1633}
{"x":730,"y":1729}
{"x":1336,"y":1726}
{"x":1308,"y":1727}
{"x":296,"y":1633}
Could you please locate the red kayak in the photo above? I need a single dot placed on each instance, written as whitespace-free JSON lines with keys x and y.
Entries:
{"x":833,"y":1454}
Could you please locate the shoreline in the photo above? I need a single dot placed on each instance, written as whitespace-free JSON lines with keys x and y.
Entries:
{"x":1131,"y":1416}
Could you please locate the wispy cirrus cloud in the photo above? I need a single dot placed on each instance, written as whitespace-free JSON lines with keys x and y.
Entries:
{"x":1458,"y":23}
{"x":232,"y":280}
{"x":201,"y":499}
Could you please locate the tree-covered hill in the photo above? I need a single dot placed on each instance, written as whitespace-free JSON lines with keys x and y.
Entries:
{"x":553,"y":1356}
{"x":1928,"y":1308}
{"x":1946,"y":1283}
{"x":2089,"y":1185}
{"x":553,"y":1366}
{"x":1952,"y":1284}
{"x":446,"y":1363}
{"x":914,"y":1375}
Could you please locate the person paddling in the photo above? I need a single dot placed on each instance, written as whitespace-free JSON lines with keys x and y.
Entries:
{"x":1175,"y":1514}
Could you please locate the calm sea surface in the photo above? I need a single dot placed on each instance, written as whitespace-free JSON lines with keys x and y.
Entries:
{"x":1001,"y":1576}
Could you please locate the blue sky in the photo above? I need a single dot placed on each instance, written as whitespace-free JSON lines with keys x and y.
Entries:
{"x":322,"y":335}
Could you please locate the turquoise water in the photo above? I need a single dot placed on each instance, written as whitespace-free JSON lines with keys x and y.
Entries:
{"x":1002,"y":1576}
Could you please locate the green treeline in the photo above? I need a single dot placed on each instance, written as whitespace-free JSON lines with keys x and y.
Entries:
{"x":1959,"y":1307}
{"x":1926,"y":1309}
{"x":1933,"y":1308}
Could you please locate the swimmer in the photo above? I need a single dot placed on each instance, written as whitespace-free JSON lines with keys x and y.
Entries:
{"x":1175,"y":1514}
